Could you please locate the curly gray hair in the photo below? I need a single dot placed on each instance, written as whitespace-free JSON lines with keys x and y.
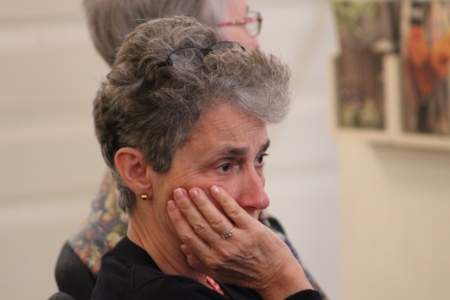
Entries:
{"x":154,"y":107}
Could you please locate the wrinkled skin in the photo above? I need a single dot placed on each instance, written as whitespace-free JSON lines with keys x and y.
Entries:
{"x":253,"y":256}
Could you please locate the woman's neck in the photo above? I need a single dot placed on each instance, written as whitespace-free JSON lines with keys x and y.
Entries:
{"x":162,"y":246}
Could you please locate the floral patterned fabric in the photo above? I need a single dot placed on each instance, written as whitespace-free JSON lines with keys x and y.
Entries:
{"x":104,"y":227}
{"x":107,"y":224}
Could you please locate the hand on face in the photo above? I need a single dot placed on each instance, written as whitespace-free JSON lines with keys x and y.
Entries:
{"x":252,"y":257}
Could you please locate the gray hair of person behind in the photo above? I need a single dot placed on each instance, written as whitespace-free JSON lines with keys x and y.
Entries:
{"x":110,"y":21}
{"x":154,"y":107}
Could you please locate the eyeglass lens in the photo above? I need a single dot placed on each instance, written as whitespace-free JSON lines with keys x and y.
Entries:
{"x":253,"y":28}
{"x":187,"y":58}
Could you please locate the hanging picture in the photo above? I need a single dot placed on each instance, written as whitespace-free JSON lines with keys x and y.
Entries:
{"x":425,"y":54}
{"x":368,"y":30}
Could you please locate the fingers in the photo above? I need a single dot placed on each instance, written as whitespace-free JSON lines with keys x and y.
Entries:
{"x":202,"y":222}
{"x":219,"y":222}
{"x":189,"y":220}
{"x":185,"y":230}
{"x":231,"y":208}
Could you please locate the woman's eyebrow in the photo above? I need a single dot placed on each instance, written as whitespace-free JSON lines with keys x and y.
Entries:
{"x":233,"y":151}
{"x":239,"y":151}
{"x":265,"y":146}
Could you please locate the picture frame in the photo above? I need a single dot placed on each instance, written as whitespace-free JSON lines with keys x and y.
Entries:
{"x":387,"y":31}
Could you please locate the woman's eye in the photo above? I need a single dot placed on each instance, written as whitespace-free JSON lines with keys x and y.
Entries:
{"x":260,"y":159}
{"x":224,"y":167}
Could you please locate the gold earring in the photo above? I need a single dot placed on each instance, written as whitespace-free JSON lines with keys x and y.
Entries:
{"x":144,"y":196}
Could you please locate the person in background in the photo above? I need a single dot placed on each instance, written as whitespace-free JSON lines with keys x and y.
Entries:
{"x":109,"y":22}
{"x":181,"y":121}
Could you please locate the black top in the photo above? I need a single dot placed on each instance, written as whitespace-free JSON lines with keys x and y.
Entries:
{"x":128,"y":272}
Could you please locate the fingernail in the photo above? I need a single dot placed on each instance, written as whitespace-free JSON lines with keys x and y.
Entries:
{"x":171,"y":205}
{"x":193,"y":193}
{"x":215,"y":190}
{"x":178,"y":194}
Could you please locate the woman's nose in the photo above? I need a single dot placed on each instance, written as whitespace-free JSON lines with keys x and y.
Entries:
{"x":253,"y":195}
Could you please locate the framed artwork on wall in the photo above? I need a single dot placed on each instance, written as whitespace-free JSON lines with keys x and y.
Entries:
{"x":368,"y":31}
{"x":390,"y":82}
{"x":425,"y":55}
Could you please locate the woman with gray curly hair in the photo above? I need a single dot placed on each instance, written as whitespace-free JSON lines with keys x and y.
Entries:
{"x":110,"y":21}
{"x":181,"y":120}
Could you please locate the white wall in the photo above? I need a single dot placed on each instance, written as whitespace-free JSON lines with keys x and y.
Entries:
{"x":51,"y":164}
{"x":396,"y":229}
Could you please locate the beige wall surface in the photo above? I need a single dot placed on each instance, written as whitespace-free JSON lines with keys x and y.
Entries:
{"x":51,"y":164}
{"x":50,"y":161}
{"x":396,"y":230}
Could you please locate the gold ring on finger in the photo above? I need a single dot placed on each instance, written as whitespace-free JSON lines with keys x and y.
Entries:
{"x":228,"y":234}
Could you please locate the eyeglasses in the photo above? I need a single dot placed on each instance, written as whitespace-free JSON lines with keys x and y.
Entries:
{"x":252,"y":22}
{"x":191,"y":58}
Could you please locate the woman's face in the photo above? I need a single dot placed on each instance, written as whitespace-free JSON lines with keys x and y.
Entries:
{"x":226,"y":149}
{"x":237,"y":9}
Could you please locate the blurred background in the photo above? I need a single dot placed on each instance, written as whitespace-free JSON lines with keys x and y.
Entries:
{"x":370,"y":222}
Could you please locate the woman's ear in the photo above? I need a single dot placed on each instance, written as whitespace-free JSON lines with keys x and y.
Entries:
{"x":133,"y":168}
